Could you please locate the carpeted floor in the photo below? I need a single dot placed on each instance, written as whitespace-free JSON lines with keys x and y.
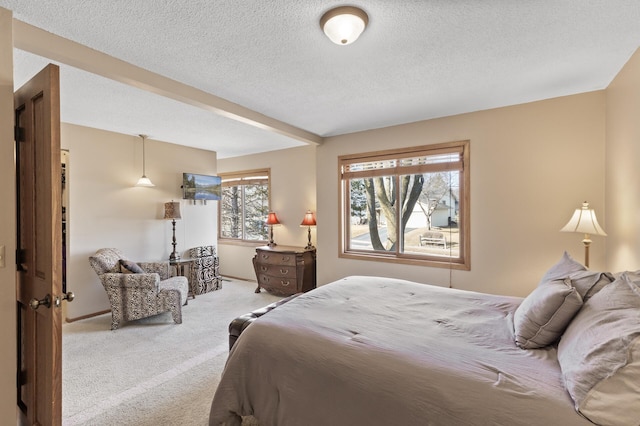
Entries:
{"x":152,"y":371}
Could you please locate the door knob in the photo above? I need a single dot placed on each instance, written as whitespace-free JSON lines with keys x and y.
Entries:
{"x":68,"y":296}
{"x":35,"y":303}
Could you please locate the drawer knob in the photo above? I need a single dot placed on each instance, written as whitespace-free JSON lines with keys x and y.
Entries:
{"x":284,"y":271}
{"x":285,"y":258}
{"x":264,"y":268}
{"x":285,"y":283}
{"x":265,"y":256}
{"x":266,"y":279}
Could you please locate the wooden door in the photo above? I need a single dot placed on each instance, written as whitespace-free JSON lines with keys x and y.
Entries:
{"x":39,"y":242}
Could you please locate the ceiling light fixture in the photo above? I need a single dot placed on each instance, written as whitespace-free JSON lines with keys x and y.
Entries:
{"x":343,"y":25}
{"x":144,"y":180}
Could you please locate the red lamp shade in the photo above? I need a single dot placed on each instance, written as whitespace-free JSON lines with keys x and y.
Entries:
{"x":272,"y":219}
{"x":309,"y":219}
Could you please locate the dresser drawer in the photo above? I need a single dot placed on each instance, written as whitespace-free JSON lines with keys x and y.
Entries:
{"x":284,"y":259}
{"x":280,"y":285}
{"x":277,"y":270}
{"x":285,"y":270}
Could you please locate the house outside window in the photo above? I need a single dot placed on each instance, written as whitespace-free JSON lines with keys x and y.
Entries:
{"x":244,"y":206}
{"x":407,"y":205}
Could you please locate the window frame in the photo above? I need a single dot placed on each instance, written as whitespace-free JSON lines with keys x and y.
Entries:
{"x":344,"y":203}
{"x":244,"y":174}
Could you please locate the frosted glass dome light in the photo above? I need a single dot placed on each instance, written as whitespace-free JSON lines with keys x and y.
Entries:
{"x":343,"y":25}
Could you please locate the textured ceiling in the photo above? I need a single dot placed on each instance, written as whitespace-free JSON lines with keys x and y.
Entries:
{"x":416,"y":60}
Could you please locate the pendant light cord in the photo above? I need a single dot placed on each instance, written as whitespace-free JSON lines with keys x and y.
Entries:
{"x":144,"y":171}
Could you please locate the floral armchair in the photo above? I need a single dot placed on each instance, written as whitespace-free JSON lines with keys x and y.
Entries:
{"x":204,"y":271}
{"x":144,"y":293}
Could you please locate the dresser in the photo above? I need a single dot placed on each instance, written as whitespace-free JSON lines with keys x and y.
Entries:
{"x":285,"y":270}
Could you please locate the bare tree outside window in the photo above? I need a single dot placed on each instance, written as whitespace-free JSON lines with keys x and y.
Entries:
{"x":384,"y":196}
{"x":407,"y":205}
{"x":437,"y":190}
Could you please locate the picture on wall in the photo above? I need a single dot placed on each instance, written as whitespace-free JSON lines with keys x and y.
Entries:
{"x":201,"y":187}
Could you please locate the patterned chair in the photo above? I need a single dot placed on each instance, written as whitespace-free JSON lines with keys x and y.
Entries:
{"x":204,"y":273}
{"x":148,"y":292}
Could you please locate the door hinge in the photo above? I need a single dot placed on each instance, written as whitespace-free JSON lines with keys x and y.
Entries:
{"x":18,"y":133}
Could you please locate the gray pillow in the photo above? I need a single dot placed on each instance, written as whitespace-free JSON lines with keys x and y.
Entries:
{"x":589,"y":283}
{"x":128,"y":266}
{"x":561,"y":270}
{"x":599,"y":354}
{"x":543,"y":316}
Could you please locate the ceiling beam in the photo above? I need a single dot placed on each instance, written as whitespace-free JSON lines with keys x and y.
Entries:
{"x":42,"y":43}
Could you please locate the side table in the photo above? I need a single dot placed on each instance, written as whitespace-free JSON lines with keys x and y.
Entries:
{"x":181,"y":265}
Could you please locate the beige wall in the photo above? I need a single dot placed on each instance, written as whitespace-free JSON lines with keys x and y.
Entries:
{"x":293,"y":192}
{"x":531,"y":166}
{"x":106,"y":210}
{"x":623,"y":173}
{"x":8,"y":228}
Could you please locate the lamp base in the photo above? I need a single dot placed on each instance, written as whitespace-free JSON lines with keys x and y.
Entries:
{"x":174,"y":256}
{"x":271,"y":242}
{"x":587,"y":243}
{"x":309,"y":246}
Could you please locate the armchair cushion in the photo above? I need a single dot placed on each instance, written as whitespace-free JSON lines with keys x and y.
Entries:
{"x":119,"y":280}
{"x":160,"y":268}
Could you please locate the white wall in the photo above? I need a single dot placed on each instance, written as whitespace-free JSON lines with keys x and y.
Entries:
{"x":107,"y":210}
{"x":8,"y":229}
{"x":623,"y":173}
{"x":531,"y":166}
{"x":293,"y":192}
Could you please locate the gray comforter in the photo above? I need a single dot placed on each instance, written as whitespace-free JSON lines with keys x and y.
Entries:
{"x":381,"y":351}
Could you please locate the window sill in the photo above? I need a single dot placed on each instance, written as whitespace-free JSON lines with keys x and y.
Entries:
{"x":406,"y":261}
{"x":229,"y":242}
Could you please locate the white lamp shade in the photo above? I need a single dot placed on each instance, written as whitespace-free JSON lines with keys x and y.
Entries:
{"x":584,"y":221}
{"x":144,"y":181}
{"x":344,"y":25}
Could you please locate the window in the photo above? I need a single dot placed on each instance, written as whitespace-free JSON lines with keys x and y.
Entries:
{"x":244,"y":206}
{"x":407,"y":205}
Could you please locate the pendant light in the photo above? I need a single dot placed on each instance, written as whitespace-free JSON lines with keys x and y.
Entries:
{"x":144,"y":180}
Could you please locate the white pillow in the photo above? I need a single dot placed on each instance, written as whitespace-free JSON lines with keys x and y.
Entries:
{"x":543,"y":316}
{"x":599,"y":354}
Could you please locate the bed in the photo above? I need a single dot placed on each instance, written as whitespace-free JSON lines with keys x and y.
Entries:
{"x":384,"y":351}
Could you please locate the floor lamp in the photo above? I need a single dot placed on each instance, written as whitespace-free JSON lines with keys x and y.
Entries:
{"x":584,"y":221}
{"x":172,"y":211}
